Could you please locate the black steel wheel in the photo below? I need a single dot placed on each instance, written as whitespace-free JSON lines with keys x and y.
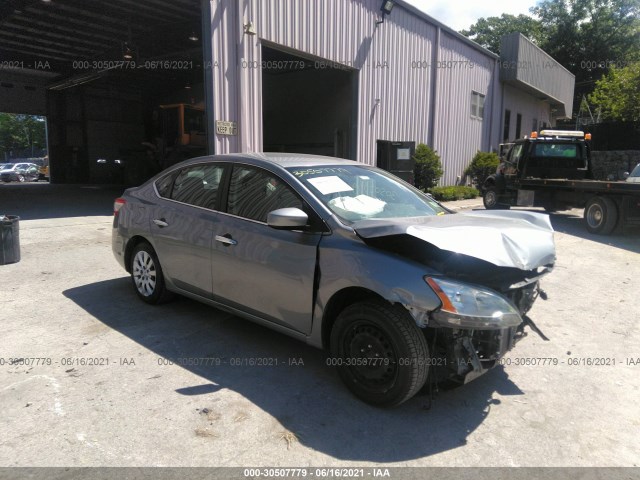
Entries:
{"x":147,"y":276}
{"x":381,"y":354}
{"x":601,"y":215}
{"x":490,"y":199}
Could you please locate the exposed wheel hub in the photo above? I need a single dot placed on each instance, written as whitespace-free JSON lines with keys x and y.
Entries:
{"x":594,"y":216}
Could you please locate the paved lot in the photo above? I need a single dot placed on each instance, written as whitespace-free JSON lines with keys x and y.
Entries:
{"x":69,"y":303}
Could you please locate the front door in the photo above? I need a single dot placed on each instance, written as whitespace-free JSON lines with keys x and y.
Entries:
{"x":264,"y":271}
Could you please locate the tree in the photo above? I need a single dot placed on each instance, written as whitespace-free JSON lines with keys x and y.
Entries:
{"x":617,"y":94}
{"x":589,"y":36}
{"x":488,"y":32}
{"x":21,"y":133}
{"x":428,"y":168}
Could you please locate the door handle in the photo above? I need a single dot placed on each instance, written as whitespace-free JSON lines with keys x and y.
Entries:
{"x":226,"y":240}
{"x":161,"y":223}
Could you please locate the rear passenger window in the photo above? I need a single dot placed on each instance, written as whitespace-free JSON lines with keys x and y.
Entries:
{"x":198,"y":185}
{"x":163,"y":185}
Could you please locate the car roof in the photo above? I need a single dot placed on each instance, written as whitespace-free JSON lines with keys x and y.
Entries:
{"x":281,"y":159}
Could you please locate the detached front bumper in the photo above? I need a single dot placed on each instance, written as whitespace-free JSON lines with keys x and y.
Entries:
{"x":467,"y":354}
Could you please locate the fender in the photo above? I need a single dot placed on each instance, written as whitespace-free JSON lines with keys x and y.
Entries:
{"x":498,"y":180}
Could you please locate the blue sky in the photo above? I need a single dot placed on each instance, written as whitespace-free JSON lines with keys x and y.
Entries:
{"x":461,"y":14}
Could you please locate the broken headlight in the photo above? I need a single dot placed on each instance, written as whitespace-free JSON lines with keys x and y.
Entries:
{"x":470,"y":307}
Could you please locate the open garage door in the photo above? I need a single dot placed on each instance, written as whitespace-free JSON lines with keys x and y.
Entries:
{"x":121,"y":83}
{"x":309,"y":105}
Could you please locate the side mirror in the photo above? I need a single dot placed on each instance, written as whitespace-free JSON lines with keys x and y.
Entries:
{"x":287,"y":218}
{"x":625,"y":175}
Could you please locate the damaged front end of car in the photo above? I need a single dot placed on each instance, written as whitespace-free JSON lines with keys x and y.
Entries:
{"x":488,"y":270}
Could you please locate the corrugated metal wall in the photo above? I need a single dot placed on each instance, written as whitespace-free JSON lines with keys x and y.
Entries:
{"x":529,"y":107}
{"x":415,"y":77}
{"x":526,"y":65}
{"x":459,"y":135}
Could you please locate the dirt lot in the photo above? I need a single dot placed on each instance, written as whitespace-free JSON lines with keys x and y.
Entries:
{"x":110,"y":381}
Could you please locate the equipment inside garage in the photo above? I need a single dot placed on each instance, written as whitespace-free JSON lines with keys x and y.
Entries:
{"x":121,"y":83}
{"x":308,"y":105}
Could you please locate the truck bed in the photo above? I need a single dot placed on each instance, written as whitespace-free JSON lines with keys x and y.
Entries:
{"x":594,"y":186}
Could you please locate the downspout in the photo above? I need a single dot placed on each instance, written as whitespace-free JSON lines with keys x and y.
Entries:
{"x":435,"y":55}
{"x":207,"y":63}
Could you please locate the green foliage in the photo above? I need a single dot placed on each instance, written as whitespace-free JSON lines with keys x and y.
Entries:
{"x":428,"y":169}
{"x":588,"y":36}
{"x":617,"y":94}
{"x":448,"y":194}
{"x":482,"y":165}
{"x":584,"y":36}
{"x":488,"y":31}
{"x":21,"y":132}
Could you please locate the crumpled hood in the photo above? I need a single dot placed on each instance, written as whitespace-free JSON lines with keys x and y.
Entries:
{"x":517,"y":239}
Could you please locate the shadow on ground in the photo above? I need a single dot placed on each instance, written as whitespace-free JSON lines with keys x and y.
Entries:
{"x":31,"y":201}
{"x":308,"y":400}
{"x":571,"y":223}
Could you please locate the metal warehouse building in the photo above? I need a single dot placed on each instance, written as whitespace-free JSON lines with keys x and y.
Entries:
{"x":130,"y":81}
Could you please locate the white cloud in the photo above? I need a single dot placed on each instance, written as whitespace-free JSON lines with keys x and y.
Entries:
{"x":461,"y":14}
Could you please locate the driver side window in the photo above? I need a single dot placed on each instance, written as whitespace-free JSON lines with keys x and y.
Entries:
{"x":254,"y":192}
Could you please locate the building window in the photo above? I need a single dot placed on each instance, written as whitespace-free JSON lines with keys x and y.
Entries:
{"x":477,"y":105}
{"x":534,"y":127}
{"x":518,"y":125}
{"x":507,"y":124}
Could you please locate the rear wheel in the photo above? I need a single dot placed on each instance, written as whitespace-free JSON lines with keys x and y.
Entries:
{"x":147,"y":276}
{"x":21,"y":178}
{"x":601,"y":215}
{"x":381,"y":355}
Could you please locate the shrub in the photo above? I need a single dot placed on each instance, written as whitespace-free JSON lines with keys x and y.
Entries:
{"x":448,"y":194}
{"x":482,"y":165}
{"x":428,"y":169}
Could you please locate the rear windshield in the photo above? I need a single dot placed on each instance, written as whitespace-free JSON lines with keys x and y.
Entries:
{"x":556,"y":150}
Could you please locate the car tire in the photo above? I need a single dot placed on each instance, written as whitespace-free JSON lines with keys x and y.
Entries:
{"x":146,"y":275}
{"x":600,"y":215}
{"x":394,"y":349}
{"x":21,"y":178}
{"x":490,"y":199}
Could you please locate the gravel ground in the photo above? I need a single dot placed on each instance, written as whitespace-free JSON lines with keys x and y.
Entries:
{"x":105,"y":384}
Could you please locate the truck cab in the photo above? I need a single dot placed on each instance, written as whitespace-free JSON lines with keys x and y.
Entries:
{"x":550,"y":154}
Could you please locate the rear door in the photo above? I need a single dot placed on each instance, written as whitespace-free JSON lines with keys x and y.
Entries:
{"x":183,"y":222}
{"x":266,"y":272}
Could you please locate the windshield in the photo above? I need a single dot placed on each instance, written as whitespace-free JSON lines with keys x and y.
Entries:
{"x":8,"y":166}
{"x":636,"y":171}
{"x":358,"y":192}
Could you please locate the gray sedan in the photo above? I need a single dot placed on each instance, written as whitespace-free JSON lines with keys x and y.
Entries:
{"x":346,"y":257}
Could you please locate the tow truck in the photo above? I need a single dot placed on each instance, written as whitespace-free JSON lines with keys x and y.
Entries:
{"x":552,"y":169}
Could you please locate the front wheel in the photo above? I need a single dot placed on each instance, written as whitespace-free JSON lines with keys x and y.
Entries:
{"x":490,"y":199}
{"x":21,"y":178}
{"x":381,"y":354}
{"x":147,"y":276}
{"x":601,"y":215}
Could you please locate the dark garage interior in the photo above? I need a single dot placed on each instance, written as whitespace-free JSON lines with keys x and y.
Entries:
{"x":308,"y":105}
{"x":120,"y":82}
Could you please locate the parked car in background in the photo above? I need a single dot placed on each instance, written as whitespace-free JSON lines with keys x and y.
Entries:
{"x":343,"y":256}
{"x":634,"y":176}
{"x":19,"y":172}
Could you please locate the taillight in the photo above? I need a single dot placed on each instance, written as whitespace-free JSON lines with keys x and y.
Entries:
{"x":118,"y":204}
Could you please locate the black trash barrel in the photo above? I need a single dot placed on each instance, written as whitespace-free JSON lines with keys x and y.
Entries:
{"x":9,"y":239}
